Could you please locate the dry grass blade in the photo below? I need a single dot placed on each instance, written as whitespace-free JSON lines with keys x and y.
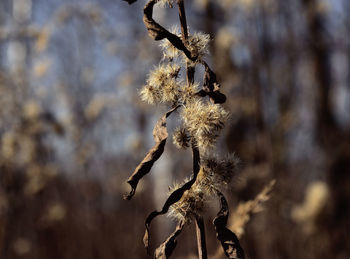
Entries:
{"x":175,"y":196}
{"x":228,"y":239}
{"x":157,"y":32}
{"x":165,"y":250}
{"x":160,"y":135}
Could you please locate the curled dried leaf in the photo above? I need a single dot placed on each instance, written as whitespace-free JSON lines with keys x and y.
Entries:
{"x":175,"y":196}
{"x":158,"y":32}
{"x":210,"y":82}
{"x":204,"y":121}
{"x":165,"y":250}
{"x":228,"y":239}
{"x":211,"y":87}
{"x":181,"y":138}
{"x":160,"y":135}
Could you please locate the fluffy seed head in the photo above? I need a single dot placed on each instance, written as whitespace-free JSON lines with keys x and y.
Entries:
{"x":150,"y":94}
{"x":181,"y":139}
{"x":170,"y":91}
{"x":162,"y":73}
{"x":188,"y":91}
{"x":162,"y":85}
{"x":217,"y":173}
{"x":203,"y":121}
{"x":198,"y":44}
{"x":169,"y":51}
{"x":191,"y":203}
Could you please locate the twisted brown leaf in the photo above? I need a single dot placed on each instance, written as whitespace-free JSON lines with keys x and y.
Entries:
{"x":228,"y":239}
{"x":160,"y":135}
{"x":165,"y":250}
{"x":211,"y":87}
{"x":158,"y":32}
{"x":175,"y":196}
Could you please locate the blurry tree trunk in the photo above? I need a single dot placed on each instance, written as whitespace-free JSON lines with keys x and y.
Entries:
{"x":334,"y":140}
{"x":320,"y":51}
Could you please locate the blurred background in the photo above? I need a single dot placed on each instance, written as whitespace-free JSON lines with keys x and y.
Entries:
{"x":73,"y":128}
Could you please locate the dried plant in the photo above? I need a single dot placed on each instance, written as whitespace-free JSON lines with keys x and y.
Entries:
{"x":202,"y":120}
{"x":245,"y":210}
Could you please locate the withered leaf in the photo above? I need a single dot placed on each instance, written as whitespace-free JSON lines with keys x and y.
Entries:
{"x":228,"y":239}
{"x":160,"y":135}
{"x":174,"y":197}
{"x":211,"y":87}
{"x":165,"y":250}
{"x":158,"y":32}
{"x":217,"y":97}
{"x":209,"y":80}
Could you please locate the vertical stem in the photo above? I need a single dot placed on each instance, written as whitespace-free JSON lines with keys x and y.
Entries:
{"x":200,"y":231}
{"x":184,"y":33}
{"x":182,"y":16}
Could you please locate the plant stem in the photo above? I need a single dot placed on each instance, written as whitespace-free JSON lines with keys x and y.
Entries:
{"x":184,"y":33}
{"x":200,"y":231}
{"x":182,"y":16}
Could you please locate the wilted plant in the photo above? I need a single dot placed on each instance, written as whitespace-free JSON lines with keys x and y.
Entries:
{"x":202,"y":120}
